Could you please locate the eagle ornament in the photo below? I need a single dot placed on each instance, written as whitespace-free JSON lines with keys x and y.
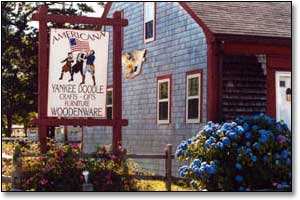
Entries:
{"x":133,"y":63}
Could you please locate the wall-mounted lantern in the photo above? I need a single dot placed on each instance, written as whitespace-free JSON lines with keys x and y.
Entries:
{"x":288,"y":94}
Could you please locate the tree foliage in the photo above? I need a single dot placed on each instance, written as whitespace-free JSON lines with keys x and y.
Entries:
{"x":19,"y":57}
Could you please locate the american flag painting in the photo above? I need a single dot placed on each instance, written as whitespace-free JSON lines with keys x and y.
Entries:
{"x":78,"y":45}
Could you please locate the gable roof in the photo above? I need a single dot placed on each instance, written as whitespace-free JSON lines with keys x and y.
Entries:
{"x":270,"y":19}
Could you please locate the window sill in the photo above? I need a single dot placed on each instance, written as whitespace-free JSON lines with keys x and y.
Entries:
{"x":195,"y":121}
{"x":147,"y":41}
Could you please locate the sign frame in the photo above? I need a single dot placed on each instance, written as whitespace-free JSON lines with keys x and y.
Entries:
{"x":43,"y":122}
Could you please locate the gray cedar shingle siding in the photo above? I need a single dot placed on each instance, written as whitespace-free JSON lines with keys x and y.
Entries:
{"x":180,"y":46}
{"x":271,"y":19}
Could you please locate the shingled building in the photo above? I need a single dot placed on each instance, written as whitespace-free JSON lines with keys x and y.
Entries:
{"x":205,"y":61}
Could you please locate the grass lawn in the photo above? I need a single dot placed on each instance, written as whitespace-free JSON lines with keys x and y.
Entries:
{"x":152,"y":185}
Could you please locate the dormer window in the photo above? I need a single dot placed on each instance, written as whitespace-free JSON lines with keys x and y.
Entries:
{"x":149,"y":21}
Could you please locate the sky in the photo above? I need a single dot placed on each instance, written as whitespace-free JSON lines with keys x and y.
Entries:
{"x":98,"y":12}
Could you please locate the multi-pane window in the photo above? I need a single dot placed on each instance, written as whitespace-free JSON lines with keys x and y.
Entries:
{"x":193,"y":98}
{"x":149,"y":21}
{"x":109,"y":103}
{"x":163,"y":104}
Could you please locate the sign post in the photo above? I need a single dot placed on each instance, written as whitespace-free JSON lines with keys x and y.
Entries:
{"x":43,"y":77}
{"x":45,"y":119}
{"x":117,"y":82}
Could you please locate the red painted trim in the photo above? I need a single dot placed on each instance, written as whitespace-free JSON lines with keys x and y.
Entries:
{"x":256,"y":48}
{"x":154,"y":24}
{"x":81,"y":122}
{"x":197,"y":71}
{"x":106,"y":10}
{"x":43,"y":77}
{"x":212,"y":82}
{"x":117,"y":83}
{"x":169,"y":76}
{"x":122,"y":31}
{"x":81,"y":20}
{"x":275,"y":63}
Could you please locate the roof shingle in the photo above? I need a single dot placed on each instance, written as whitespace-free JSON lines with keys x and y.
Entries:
{"x":271,"y":19}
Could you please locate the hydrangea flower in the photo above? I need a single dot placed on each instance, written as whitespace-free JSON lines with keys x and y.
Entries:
{"x":263,"y":139}
{"x":238,"y":166}
{"x":256,"y":145}
{"x":250,"y":144}
{"x":232,"y":134}
{"x":211,"y":169}
{"x":246,"y":127}
{"x":197,"y":162}
{"x":220,"y":145}
{"x":254,"y":127}
{"x":281,"y":139}
{"x":284,"y":154}
{"x":225,"y":141}
{"x":288,"y":162}
{"x":239,"y":178}
{"x":253,"y":158}
{"x":248,"y":135}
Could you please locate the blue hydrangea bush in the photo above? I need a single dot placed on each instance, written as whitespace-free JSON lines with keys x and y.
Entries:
{"x":250,"y":154}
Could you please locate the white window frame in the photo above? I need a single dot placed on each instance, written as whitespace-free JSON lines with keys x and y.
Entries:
{"x":188,"y":77}
{"x":166,"y":80}
{"x":112,"y":96}
{"x":154,"y":23}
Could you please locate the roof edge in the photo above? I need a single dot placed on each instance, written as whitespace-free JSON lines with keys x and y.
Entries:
{"x":209,"y":34}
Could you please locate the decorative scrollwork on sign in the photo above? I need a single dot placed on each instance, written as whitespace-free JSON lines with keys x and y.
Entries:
{"x":133,"y":63}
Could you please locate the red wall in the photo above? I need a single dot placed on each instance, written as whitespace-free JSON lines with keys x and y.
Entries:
{"x":275,"y":63}
{"x":278,"y":59}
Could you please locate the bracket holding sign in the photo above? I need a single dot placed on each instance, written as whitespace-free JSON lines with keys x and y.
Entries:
{"x":45,"y":120}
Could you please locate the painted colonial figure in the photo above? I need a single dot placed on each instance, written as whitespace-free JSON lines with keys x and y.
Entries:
{"x":67,"y":67}
{"x":78,"y":67}
{"x":90,"y":67}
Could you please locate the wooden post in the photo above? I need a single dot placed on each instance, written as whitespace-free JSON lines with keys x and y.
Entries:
{"x":43,"y":77}
{"x":168,"y":165}
{"x":17,"y":165}
{"x":124,"y":163}
{"x":117,"y":83}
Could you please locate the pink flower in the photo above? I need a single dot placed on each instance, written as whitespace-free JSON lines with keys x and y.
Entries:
{"x":61,"y":153}
{"x":43,"y":181}
{"x":75,"y":146}
{"x":23,"y":170}
{"x":113,"y":157}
